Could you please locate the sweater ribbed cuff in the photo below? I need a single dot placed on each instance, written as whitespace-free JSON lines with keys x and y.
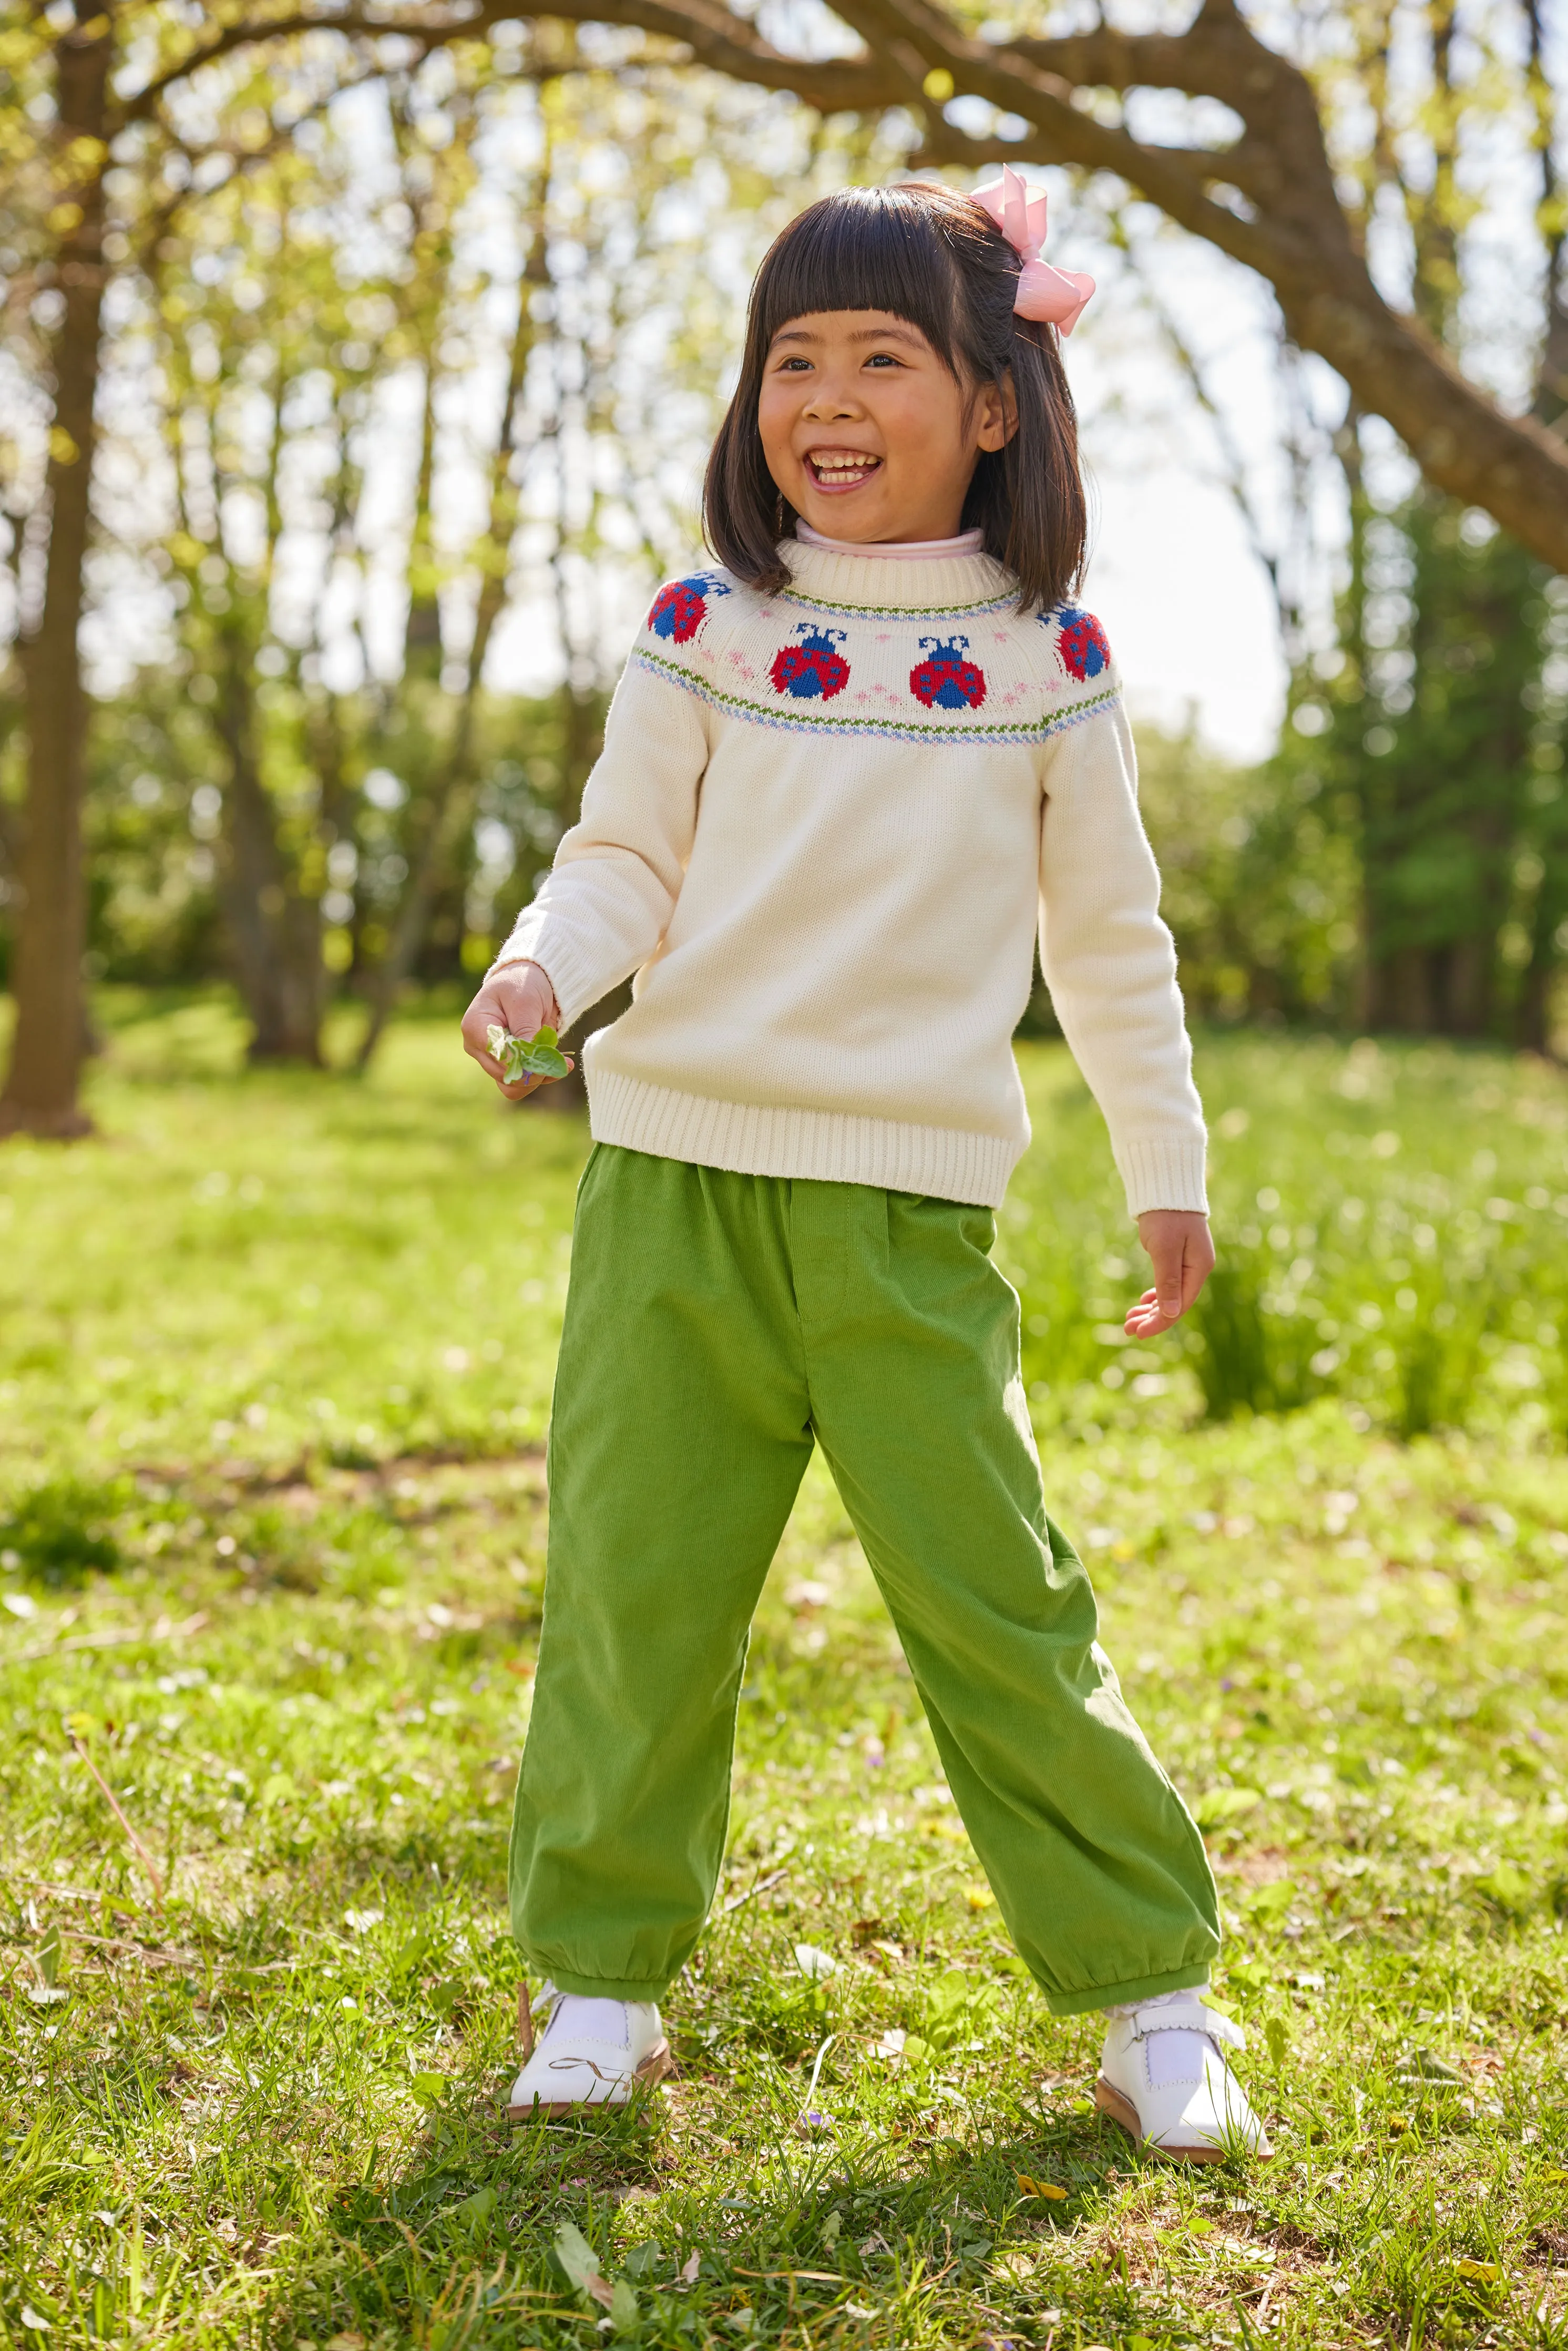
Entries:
{"x":536,"y":940}
{"x":1163,"y":1172}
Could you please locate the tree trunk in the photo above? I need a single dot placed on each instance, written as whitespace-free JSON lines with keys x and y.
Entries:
{"x":41,"y":1085}
{"x":276,"y":933}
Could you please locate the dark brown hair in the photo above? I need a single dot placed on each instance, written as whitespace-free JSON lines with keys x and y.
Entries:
{"x":934,"y":259}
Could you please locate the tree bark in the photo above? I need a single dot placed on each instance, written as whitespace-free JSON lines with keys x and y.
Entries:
{"x":41,"y":1084}
{"x":276,"y":933}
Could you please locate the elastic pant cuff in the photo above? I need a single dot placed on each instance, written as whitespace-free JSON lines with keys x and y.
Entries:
{"x":597,"y":1987}
{"x":1079,"y":2003}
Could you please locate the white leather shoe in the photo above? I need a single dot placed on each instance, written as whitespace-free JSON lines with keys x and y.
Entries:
{"x":591,"y":2052}
{"x":1164,"y":2078}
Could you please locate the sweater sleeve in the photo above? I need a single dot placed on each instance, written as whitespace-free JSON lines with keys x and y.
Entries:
{"x":610,"y":894}
{"x":1110,"y":963}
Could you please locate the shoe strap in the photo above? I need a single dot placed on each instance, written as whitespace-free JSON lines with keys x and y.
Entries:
{"x":1194,"y":2018}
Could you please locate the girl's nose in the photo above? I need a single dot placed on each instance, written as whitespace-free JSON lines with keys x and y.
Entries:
{"x":828,"y":398}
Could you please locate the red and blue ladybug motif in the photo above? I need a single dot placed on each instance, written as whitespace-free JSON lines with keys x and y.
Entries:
{"x":814,"y":667}
{"x":680,"y":609}
{"x":944,"y":680}
{"x":1085,"y":647}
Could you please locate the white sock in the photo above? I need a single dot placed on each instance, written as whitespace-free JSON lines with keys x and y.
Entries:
{"x":1171,"y":2056}
{"x":594,"y":2020}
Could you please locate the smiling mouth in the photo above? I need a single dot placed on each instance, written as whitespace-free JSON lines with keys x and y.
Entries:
{"x":840,"y":469}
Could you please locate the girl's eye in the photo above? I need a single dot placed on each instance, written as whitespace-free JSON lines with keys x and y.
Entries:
{"x":883,"y":359}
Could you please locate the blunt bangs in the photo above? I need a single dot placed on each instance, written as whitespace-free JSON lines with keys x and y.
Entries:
{"x":934,"y":259}
{"x":864,"y":250}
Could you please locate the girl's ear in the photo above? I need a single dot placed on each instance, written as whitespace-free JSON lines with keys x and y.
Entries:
{"x":997,"y":413}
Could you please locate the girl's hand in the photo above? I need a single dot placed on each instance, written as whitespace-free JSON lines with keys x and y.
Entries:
{"x":1181,"y":1252}
{"x":521,"y":1000}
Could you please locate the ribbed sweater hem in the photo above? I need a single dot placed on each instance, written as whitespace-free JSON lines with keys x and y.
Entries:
{"x":825,"y":1147}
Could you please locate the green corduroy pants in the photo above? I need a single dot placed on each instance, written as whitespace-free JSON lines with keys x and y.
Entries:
{"x":717,"y":1325}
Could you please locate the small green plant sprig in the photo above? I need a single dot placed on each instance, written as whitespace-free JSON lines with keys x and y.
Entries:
{"x":538,"y":1056}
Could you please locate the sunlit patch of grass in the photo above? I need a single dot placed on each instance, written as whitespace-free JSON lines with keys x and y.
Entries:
{"x":267,"y":2110}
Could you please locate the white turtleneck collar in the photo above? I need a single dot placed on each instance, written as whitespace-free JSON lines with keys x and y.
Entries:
{"x":908,"y":550}
{"x":945,"y":576}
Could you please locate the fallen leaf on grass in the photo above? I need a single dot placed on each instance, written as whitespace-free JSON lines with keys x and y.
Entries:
{"x":1505,"y":1887}
{"x":1556,"y":2177}
{"x":893,"y":2044}
{"x":1422,"y":2065}
{"x":1486,"y":2272}
{"x":581,"y":2262}
{"x":1221,"y":1805}
{"x":1046,"y":2188}
{"x":815,"y":1963}
{"x":689,"y":2269}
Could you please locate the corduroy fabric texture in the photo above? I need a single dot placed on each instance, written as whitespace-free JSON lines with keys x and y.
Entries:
{"x":717,"y":1326}
{"x":824,"y":832}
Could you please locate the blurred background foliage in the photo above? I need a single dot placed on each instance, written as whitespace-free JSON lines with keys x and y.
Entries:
{"x":416,"y":399}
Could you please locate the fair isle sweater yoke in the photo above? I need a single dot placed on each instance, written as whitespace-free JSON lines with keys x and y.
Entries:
{"x":824,"y":829}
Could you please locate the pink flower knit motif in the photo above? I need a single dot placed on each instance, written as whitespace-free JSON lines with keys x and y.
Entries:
{"x":813,"y":668}
{"x":945,"y":679}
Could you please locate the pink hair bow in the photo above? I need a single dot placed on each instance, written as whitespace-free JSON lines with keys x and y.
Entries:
{"x":1055,"y":296}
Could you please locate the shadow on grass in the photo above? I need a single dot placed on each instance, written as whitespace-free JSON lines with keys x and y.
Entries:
{"x":891,"y":2237}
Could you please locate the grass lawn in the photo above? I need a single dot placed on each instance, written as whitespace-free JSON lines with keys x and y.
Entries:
{"x":274,"y":1365}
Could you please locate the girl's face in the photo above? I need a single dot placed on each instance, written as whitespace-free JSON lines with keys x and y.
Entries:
{"x":865,"y":430}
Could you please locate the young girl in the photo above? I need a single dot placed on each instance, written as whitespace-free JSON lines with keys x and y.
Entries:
{"x":844,"y":778}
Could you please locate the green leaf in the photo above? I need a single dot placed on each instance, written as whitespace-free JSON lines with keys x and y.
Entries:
{"x":476,"y":2208}
{"x":623,"y":2307}
{"x":581,"y":2262}
{"x":1225,"y":1804}
{"x":429,"y":2088}
{"x":1270,"y":1899}
{"x":1505,"y":1887}
{"x":527,"y":1057}
{"x":1426,"y":2065}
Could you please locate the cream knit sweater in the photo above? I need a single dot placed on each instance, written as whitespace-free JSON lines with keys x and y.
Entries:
{"x":822,"y":833}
